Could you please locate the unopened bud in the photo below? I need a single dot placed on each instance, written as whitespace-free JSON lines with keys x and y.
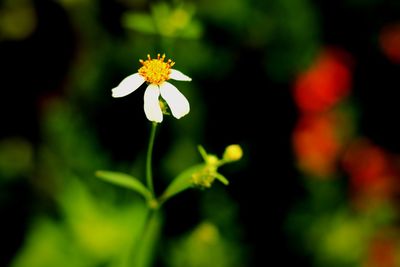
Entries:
{"x":212,"y":160}
{"x":233,"y":153}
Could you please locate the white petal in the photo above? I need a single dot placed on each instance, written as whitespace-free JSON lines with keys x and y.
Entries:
{"x":128,"y":85}
{"x":152,"y":107}
{"x":179,"y":76}
{"x":176,"y":101}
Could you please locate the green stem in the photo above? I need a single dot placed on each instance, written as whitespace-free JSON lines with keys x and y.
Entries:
{"x":142,"y":253}
{"x":149,"y":175}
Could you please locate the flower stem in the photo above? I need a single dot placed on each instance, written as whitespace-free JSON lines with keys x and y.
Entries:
{"x":144,"y":245}
{"x":149,"y":175}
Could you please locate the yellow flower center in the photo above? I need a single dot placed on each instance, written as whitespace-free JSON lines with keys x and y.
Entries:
{"x":156,"y":71}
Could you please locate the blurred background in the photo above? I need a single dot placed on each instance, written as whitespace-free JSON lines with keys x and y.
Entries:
{"x":308,"y":89}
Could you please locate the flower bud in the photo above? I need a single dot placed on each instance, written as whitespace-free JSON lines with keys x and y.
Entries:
{"x":212,"y":160}
{"x":233,"y":153}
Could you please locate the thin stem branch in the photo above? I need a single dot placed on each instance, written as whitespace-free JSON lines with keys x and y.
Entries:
{"x":149,"y":175}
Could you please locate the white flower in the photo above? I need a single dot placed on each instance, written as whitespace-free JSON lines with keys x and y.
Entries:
{"x":156,"y":72}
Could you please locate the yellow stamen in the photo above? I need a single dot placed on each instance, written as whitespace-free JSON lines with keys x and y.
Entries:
{"x":156,"y":71}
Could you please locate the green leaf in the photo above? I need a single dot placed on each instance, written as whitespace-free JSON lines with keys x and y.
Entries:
{"x":182,"y":182}
{"x":125,"y":180}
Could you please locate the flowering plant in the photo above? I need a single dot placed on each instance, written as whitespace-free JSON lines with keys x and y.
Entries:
{"x":156,"y":73}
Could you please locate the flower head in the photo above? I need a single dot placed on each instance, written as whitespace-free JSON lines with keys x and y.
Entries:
{"x":156,"y":72}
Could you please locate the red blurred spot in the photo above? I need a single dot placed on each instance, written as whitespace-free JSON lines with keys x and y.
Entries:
{"x":382,"y":252}
{"x":370,"y":170}
{"x":389,"y":40}
{"x":326,"y":82}
{"x":316,"y":144}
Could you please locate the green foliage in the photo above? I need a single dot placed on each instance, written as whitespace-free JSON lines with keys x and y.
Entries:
{"x":124,"y":180}
{"x":166,"y":21}
{"x":93,"y":231}
{"x":204,"y":246}
{"x":182,"y":182}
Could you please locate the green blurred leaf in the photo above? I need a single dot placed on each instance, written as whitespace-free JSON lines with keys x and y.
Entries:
{"x":139,"y":22}
{"x":182,"y":182}
{"x":48,"y":244}
{"x":125,"y":180}
{"x":204,"y":246}
{"x":165,"y":20}
{"x":194,"y":30}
